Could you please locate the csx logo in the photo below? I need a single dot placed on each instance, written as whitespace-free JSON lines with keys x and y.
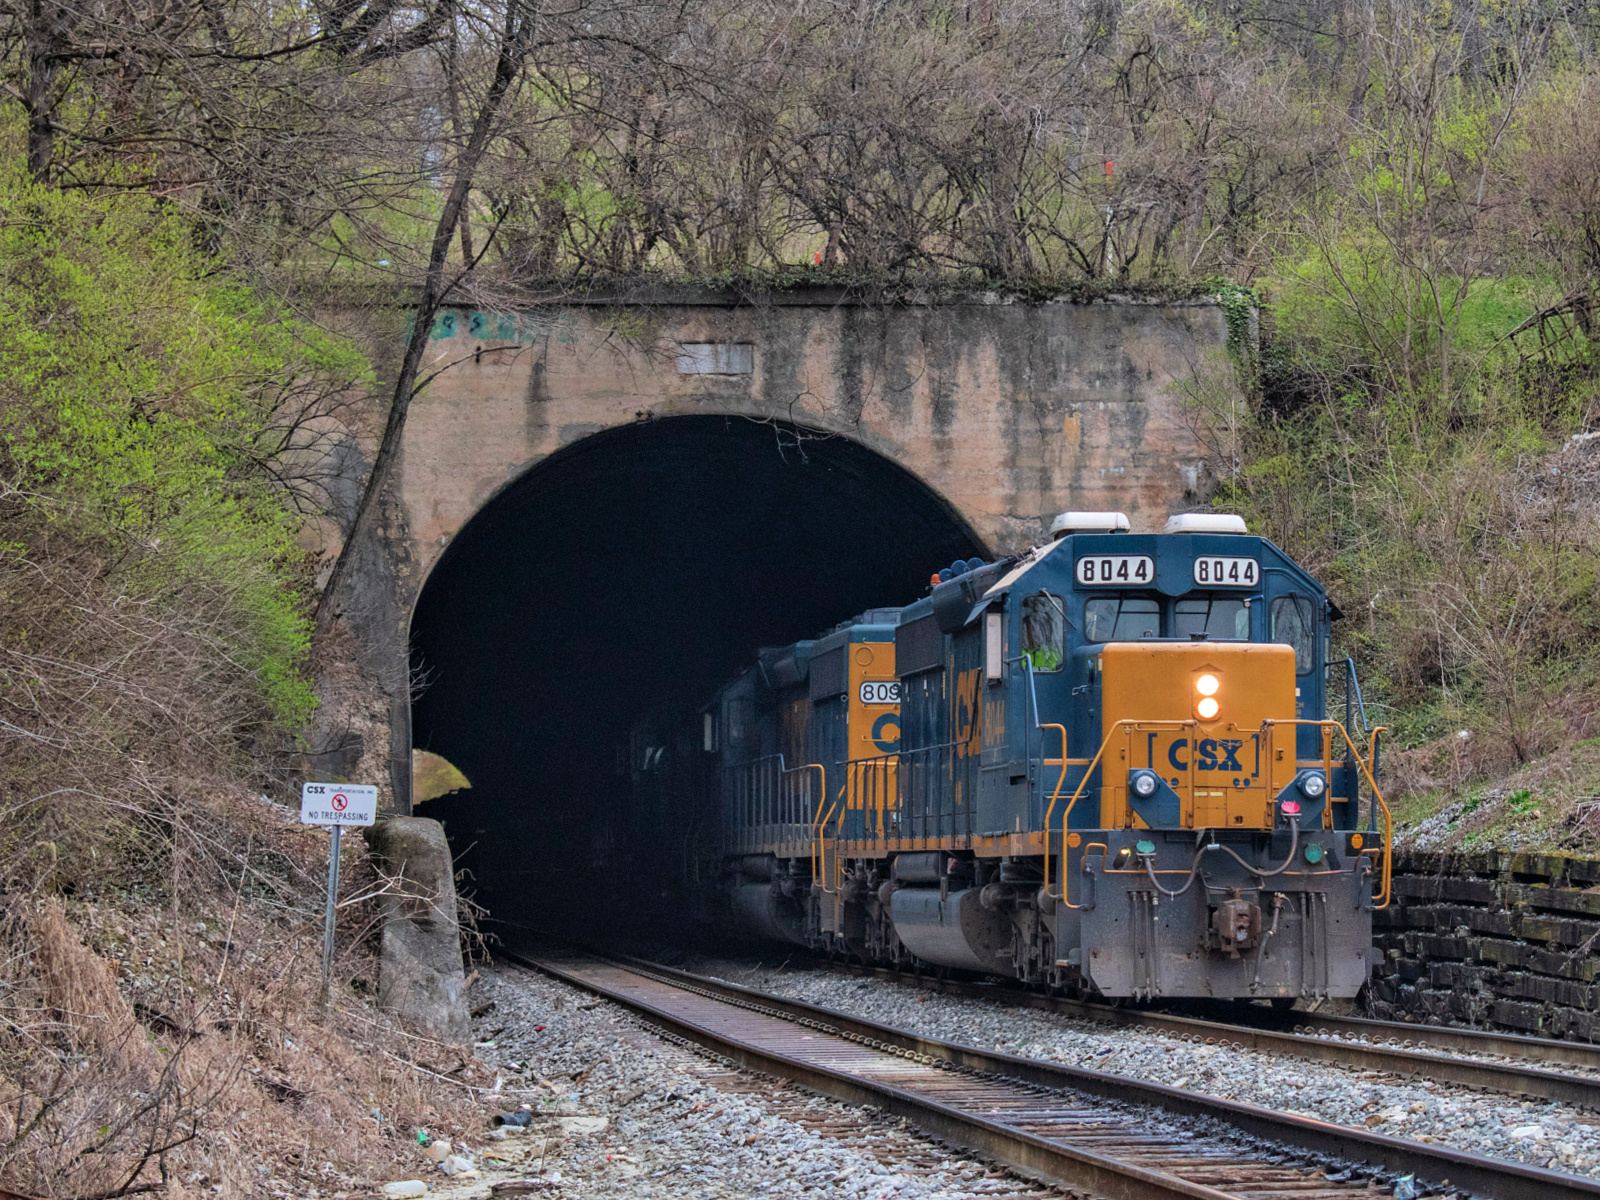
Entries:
{"x":1212,"y":754}
{"x":969,"y":714}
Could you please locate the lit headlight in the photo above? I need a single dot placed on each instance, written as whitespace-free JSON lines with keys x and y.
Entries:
{"x":1312,"y":784}
{"x":1144,"y":783}
{"x":1207,"y":685}
{"x":1207,"y":708}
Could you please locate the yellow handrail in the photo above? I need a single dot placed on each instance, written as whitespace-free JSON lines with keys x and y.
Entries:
{"x":822,"y":798}
{"x":1071,"y":804}
{"x":1065,"y":761}
{"x":838,"y":857}
{"x":817,"y":855}
{"x":1366,"y":769}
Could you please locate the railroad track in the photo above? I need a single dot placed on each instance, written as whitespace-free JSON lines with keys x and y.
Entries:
{"x":1399,"y":1049}
{"x":1115,"y":1137}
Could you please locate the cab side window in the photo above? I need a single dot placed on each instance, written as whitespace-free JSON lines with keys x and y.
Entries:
{"x":1044,"y":631}
{"x":1292,"y":621}
{"x":1121,"y":618}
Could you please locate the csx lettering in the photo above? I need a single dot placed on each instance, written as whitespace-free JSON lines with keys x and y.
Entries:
{"x":1207,"y":752}
{"x":886,"y":733}
{"x":968,"y":714}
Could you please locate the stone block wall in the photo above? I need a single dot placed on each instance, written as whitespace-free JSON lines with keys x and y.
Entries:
{"x":1498,"y":938}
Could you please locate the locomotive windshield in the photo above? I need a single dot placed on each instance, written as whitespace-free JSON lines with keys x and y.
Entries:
{"x":1121,"y":618}
{"x":1219,"y":618}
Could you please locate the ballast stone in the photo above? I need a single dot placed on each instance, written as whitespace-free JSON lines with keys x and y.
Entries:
{"x":419,"y":972}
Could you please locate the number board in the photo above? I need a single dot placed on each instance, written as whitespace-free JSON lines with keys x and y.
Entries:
{"x":880,"y":691}
{"x":1117,"y":570}
{"x":1227,"y":572}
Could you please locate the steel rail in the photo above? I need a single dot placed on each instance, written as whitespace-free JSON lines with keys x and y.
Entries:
{"x":1510,"y":1078}
{"x":1435,"y":1166}
{"x":1097,"y":1173}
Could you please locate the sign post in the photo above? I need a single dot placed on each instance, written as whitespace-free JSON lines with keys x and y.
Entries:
{"x":335,"y":805}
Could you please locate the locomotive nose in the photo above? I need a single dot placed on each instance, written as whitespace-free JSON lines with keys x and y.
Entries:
{"x":1193,"y":714}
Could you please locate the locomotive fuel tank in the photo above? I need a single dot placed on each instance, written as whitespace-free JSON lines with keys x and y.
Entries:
{"x":952,"y":929}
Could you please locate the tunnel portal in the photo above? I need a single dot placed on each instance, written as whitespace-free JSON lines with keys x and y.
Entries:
{"x":603,"y":597}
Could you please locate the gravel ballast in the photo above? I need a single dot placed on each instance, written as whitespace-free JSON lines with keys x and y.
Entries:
{"x":619,"y":1110}
{"x":1538,"y":1132}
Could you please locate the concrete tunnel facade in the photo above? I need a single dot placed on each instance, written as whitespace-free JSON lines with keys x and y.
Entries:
{"x":601,"y":509}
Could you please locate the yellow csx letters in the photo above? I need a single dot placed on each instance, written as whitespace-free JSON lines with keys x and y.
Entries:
{"x":968,"y":714}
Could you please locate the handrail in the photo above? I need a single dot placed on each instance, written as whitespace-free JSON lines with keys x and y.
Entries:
{"x":819,"y":857}
{"x":1060,"y":779}
{"x":821,"y":791}
{"x":1366,"y":769}
{"x":1065,"y":761}
{"x":1388,"y":818}
{"x":1354,"y":702}
{"x":838,"y":858}
{"x":763,"y":796}
{"x":1071,"y":804}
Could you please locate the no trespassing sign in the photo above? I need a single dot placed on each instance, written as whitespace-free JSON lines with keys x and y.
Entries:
{"x":338,"y":804}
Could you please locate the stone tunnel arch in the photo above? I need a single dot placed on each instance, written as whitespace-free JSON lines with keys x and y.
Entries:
{"x":617,"y":583}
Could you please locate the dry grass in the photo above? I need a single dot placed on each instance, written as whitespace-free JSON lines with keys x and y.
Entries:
{"x":179,"y":1041}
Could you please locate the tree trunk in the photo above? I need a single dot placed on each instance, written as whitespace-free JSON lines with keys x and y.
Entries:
{"x":508,"y":64}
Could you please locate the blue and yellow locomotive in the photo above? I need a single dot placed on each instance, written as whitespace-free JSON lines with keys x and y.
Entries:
{"x":1104,"y":765}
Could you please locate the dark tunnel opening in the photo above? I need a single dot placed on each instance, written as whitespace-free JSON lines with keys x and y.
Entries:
{"x":619,"y":584}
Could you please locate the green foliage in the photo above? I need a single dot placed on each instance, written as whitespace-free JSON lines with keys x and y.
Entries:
{"x":136,"y":382}
{"x":1239,"y":307}
{"x":1424,"y":362}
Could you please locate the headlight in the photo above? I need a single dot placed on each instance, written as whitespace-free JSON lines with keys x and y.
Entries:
{"x":1145,"y":783}
{"x":1207,"y":708}
{"x":1313,"y":784}
{"x":1207,"y":685}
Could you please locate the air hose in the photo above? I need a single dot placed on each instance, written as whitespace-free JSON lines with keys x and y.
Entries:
{"x":1194,"y":867}
{"x":1294,"y":844}
{"x":1194,"y":871}
{"x":1261,"y":950}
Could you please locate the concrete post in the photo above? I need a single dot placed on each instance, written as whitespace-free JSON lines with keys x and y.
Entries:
{"x":420,"y":975}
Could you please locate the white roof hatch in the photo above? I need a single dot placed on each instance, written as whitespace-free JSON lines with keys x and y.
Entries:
{"x":1088,"y":522}
{"x":1205,"y":523}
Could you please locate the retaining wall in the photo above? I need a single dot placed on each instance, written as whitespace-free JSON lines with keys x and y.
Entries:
{"x":1502,"y":938}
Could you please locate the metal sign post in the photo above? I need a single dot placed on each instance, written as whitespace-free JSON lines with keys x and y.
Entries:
{"x":335,"y":805}
{"x":327,"y":918}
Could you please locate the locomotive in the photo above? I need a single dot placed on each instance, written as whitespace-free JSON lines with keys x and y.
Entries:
{"x":1104,"y":766}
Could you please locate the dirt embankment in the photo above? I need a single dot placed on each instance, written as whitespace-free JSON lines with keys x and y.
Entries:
{"x":161,"y":1025}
